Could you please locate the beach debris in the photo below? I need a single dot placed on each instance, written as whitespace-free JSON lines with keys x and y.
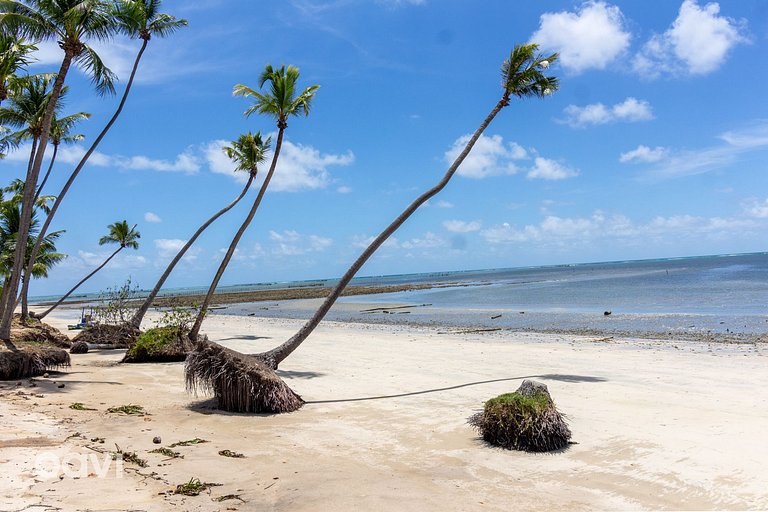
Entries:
{"x":469,"y":331}
{"x":193,"y":487}
{"x":79,"y":347}
{"x":495,"y":317}
{"x":45,"y":375}
{"x":230,"y":453}
{"x":168,"y":453}
{"x":525,"y":420}
{"x":196,"y":440}
{"x":77,"y":406}
{"x":60,"y":385}
{"x":128,"y":409}
{"x":388,"y":309}
{"x":157,"y":440}
{"x":97,"y":440}
{"x":128,"y":457}
{"x":227,"y":497}
{"x":606,"y":313}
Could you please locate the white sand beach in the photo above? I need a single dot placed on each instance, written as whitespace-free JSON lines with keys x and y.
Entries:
{"x":656,"y":426}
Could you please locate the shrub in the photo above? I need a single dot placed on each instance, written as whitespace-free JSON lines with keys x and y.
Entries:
{"x":159,"y":344}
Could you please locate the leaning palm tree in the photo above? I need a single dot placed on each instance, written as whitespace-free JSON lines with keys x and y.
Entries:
{"x":248,"y":383}
{"x":71,"y":23}
{"x":136,"y":19}
{"x":242,"y":152}
{"x":281,"y":102}
{"x":14,"y":56}
{"x":60,"y":133}
{"x":119,"y":233}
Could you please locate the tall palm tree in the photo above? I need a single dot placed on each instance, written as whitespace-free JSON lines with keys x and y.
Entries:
{"x":60,"y":133}
{"x":71,"y":23}
{"x":119,"y":233}
{"x":247,"y":383}
{"x":243,"y":161}
{"x":14,"y":56}
{"x":281,"y":102}
{"x":136,"y":19}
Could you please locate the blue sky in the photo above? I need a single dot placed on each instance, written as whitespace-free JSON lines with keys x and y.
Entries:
{"x":655,"y":145}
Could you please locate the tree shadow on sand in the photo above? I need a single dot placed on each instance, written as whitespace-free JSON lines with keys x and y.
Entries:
{"x":549,"y":376}
{"x":247,"y":337}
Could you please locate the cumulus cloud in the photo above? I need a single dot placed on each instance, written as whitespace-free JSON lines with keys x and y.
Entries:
{"x":757,"y":209}
{"x":546,"y":169}
{"x":643,"y":154}
{"x":185,"y":162}
{"x":152,"y":217}
{"x":489,"y":157}
{"x":460,"y":226}
{"x":630,"y":110}
{"x":300,"y":167}
{"x":555,"y":230}
{"x":344,"y":189}
{"x":444,"y":204}
{"x":122,"y":261}
{"x":590,"y":38}
{"x":697,"y":43}
{"x":293,"y":243}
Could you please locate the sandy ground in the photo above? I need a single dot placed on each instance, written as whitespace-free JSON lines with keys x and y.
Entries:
{"x":656,"y":425}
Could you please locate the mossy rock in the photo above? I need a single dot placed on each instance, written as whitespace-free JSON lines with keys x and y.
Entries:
{"x":524,"y":420}
{"x":159,"y":345}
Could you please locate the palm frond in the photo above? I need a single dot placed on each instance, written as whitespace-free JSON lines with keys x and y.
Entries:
{"x":102,"y":77}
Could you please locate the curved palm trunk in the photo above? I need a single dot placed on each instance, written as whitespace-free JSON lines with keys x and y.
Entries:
{"x":58,"y":303}
{"x":60,"y":196}
{"x":30,"y":186}
{"x":139,"y":316}
{"x":48,"y":172}
{"x":275,"y":356}
{"x":227,"y":257}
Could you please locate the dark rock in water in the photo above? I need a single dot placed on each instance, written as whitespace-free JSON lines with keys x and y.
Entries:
{"x":79,"y":347}
{"x":61,"y":385}
{"x":606,"y":313}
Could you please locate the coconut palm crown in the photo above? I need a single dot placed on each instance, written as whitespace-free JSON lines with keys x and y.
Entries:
{"x":282,"y":101}
{"x":141,"y":19}
{"x":247,"y":151}
{"x":120,"y":233}
{"x":14,"y":56}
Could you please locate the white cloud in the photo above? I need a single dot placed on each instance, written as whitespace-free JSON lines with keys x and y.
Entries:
{"x":585,"y":231}
{"x":185,"y":162}
{"x":643,"y":154}
{"x":757,"y":209}
{"x":546,"y":169}
{"x":168,"y":248}
{"x":121,"y":261}
{"x":444,"y":204}
{"x":630,"y":110}
{"x":688,"y":162}
{"x":344,"y":189}
{"x":460,"y":226}
{"x":489,"y":156}
{"x":299,"y":167}
{"x":293,"y":243}
{"x":697,"y":43}
{"x":590,"y":38}
{"x":428,"y":241}
{"x":152,"y":217}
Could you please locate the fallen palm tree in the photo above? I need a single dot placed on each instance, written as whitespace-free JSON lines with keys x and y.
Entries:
{"x":247,"y":383}
{"x":24,"y":359}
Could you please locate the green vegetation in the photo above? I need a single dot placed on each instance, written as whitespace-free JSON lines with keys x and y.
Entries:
{"x":153,"y":342}
{"x":230,"y":453}
{"x":193,"y":487}
{"x":196,"y":440}
{"x":128,"y":409}
{"x":168,"y":453}
{"x":128,"y":457}
{"x":77,"y":406}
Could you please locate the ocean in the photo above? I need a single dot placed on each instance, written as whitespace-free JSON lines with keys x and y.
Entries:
{"x":725,"y":294}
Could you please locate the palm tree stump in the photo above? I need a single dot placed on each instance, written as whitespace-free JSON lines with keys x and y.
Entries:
{"x":525,"y":420}
{"x":239,"y":382}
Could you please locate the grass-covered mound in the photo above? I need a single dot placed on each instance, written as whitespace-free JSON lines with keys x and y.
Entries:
{"x":159,"y":345}
{"x":240,"y":383}
{"x":35,"y":331}
{"x":119,"y":336}
{"x":524,"y":420}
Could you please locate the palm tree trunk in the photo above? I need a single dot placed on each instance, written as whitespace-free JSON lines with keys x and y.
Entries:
{"x":83,"y":160}
{"x":48,"y":172}
{"x":228,"y":256}
{"x":275,"y":356}
{"x":139,"y":316}
{"x":30,"y":186}
{"x":58,"y":303}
